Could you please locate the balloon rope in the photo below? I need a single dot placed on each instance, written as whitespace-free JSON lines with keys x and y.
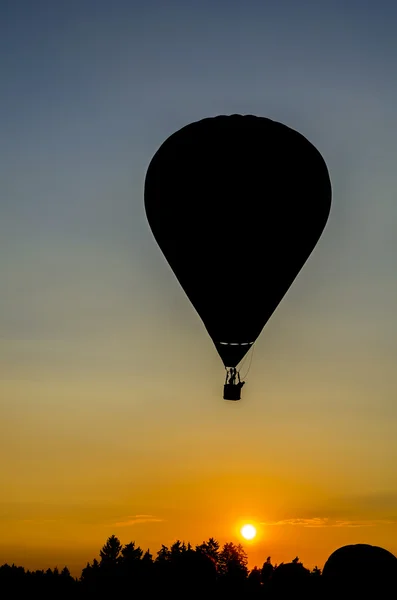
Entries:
{"x":244,"y":359}
{"x":250,"y":363}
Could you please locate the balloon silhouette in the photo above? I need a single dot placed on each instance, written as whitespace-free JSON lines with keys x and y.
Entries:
{"x":236,"y":204}
{"x":360,"y":569}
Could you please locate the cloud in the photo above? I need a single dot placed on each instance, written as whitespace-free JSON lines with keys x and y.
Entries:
{"x":376,"y":507}
{"x":326,"y":522}
{"x":135,"y":519}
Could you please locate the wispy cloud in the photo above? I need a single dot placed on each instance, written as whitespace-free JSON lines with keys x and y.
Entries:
{"x":135,"y":519}
{"x":326,"y":522}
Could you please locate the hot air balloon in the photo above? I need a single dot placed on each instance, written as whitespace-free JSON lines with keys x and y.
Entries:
{"x":360,"y":569}
{"x":236,"y":204}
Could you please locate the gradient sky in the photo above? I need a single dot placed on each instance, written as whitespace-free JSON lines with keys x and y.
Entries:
{"x":112,"y":418}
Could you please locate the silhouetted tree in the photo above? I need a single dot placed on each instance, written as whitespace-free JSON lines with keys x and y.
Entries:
{"x":130,"y":554}
{"x":316,"y":571}
{"x":267,"y":571}
{"x":130,"y":567}
{"x":110,"y":552}
{"x":206,"y":572}
{"x":90,"y":577}
{"x":232,"y":567}
{"x":163,"y":555}
{"x":146,"y":568}
{"x":210,"y":549}
{"x":12,"y":580}
{"x":254,"y":582}
{"x":147,"y":557}
{"x":233,"y":560}
{"x":290,"y":576}
{"x":162,"y":570}
{"x":177,"y":548}
{"x":109,"y":571}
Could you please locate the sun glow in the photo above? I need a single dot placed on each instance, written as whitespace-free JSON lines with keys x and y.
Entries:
{"x":248,"y":532}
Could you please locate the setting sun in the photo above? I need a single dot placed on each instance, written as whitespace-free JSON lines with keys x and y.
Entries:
{"x":248,"y":532}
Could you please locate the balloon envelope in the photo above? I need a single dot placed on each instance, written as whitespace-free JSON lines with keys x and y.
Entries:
{"x":360,"y":566}
{"x":236,"y":204}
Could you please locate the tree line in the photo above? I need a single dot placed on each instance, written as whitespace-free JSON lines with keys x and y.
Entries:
{"x":205,"y":571}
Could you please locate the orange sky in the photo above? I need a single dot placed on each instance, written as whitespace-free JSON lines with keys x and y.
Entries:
{"x":77,"y":472}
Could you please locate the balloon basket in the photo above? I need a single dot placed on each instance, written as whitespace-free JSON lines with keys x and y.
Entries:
{"x":231,"y":392}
